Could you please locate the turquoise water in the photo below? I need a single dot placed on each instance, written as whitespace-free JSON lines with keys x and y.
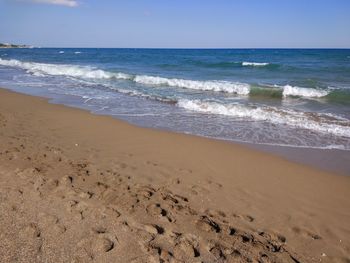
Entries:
{"x":266,"y":96}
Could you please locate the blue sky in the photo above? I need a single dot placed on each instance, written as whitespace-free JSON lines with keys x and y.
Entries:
{"x":176,"y":23}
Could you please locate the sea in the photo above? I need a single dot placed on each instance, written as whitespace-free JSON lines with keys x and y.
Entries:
{"x":276,"y":97}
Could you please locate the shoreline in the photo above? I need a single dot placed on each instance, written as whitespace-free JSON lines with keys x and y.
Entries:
{"x":69,"y":154}
{"x":328,"y":160}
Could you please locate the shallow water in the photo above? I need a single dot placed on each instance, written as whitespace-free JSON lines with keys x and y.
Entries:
{"x":298,"y":98}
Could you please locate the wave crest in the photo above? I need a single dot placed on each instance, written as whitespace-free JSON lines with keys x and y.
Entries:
{"x":311,"y":121}
{"x":254,"y":64}
{"x":303,"y":92}
{"x":219,"y":86}
{"x":86,"y":72}
{"x":40,"y":69}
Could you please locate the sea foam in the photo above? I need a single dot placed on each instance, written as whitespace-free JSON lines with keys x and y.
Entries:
{"x":254,"y":64}
{"x":218,"y":86}
{"x":40,"y":69}
{"x":90,"y":73}
{"x":304,"y":120}
{"x":303,"y":92}
{"x":86,"y":72}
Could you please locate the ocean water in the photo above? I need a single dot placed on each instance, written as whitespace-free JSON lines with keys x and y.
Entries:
{"x":288,"y":97}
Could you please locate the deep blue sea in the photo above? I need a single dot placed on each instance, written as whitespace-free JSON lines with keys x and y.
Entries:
{"x":291,"y":97}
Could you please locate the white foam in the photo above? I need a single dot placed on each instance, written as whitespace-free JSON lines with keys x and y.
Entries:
{"x":61,"y":52}
{"x":40,"y":69}
{"x":38,"y":74}
{"x":303,"y":92}
{"x":218,"y":86}
{"x":293,"y":118}
{"x":335,"y":146}
{"x":254,"y":64}
{"x":90,"y":73}
{"x":77,"y":52}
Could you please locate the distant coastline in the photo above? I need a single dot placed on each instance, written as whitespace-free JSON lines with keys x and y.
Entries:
{"x":7,"y":45}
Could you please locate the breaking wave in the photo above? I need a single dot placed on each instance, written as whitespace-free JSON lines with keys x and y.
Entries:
{"x":86,"y":72}
{"x":304,"y":92}
{"x":230,"y":64}
{"x":63,"y":70}
{"x":323,"y":123}
{"x":220,"y":86}
{"x":254,"y":64}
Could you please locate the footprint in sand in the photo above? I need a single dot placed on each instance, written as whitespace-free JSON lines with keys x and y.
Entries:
{"x":146,"y":192}
{"x":151,"y":163}
{"x":306,"y":233}
{"x":154,"y":229}
{"x":95,"y":244}
{"x":32,"y":241}
{"x":51,"y":224}
{"x":77,"y":208}
{"x":91,"y":247}
{"x":156,"y":210}
{"x":199,"y":190}
{"x":211,"y":182}
{"x":215,"y":213}
{"x":207,"y":224}
{"x":186,"y":249}
{"x":102,"y":244}
{"x":247,"y":218}
{"x":31,"y":230}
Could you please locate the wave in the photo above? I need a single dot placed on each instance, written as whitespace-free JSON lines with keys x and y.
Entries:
{"x":146,"y":96}
{"x":303,"y":92}
{"x":86,"y":72}
{"x":233,"y":64}
{"x":266,"y":91}
{"x":90,"y":72}
{"x":288,"y":91}
{"x":219,"y":64}
{"x":323,"y":123}
{"x":63,"y":70}
{"x":219,"y":86}
{"x":341,"y":96}
{"x":254,"y":64}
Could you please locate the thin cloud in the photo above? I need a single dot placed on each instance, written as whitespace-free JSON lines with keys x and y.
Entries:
{"x":70,"y":3}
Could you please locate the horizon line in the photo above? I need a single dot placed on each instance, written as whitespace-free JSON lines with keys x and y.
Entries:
{"x":189,"y":48}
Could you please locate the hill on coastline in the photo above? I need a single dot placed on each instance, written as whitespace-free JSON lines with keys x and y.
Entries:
{"x":7,"y":45}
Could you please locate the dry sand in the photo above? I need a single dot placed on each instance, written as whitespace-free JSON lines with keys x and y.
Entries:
{"x":76,"y":187}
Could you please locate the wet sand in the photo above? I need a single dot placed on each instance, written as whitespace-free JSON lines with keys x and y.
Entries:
{"x":76,"y":187}
{"x":331,"y":160}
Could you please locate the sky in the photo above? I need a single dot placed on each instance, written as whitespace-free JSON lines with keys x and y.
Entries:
{"x":177,"y":23}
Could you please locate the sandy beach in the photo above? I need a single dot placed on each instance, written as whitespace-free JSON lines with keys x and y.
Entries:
{"x":77,"y":187}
